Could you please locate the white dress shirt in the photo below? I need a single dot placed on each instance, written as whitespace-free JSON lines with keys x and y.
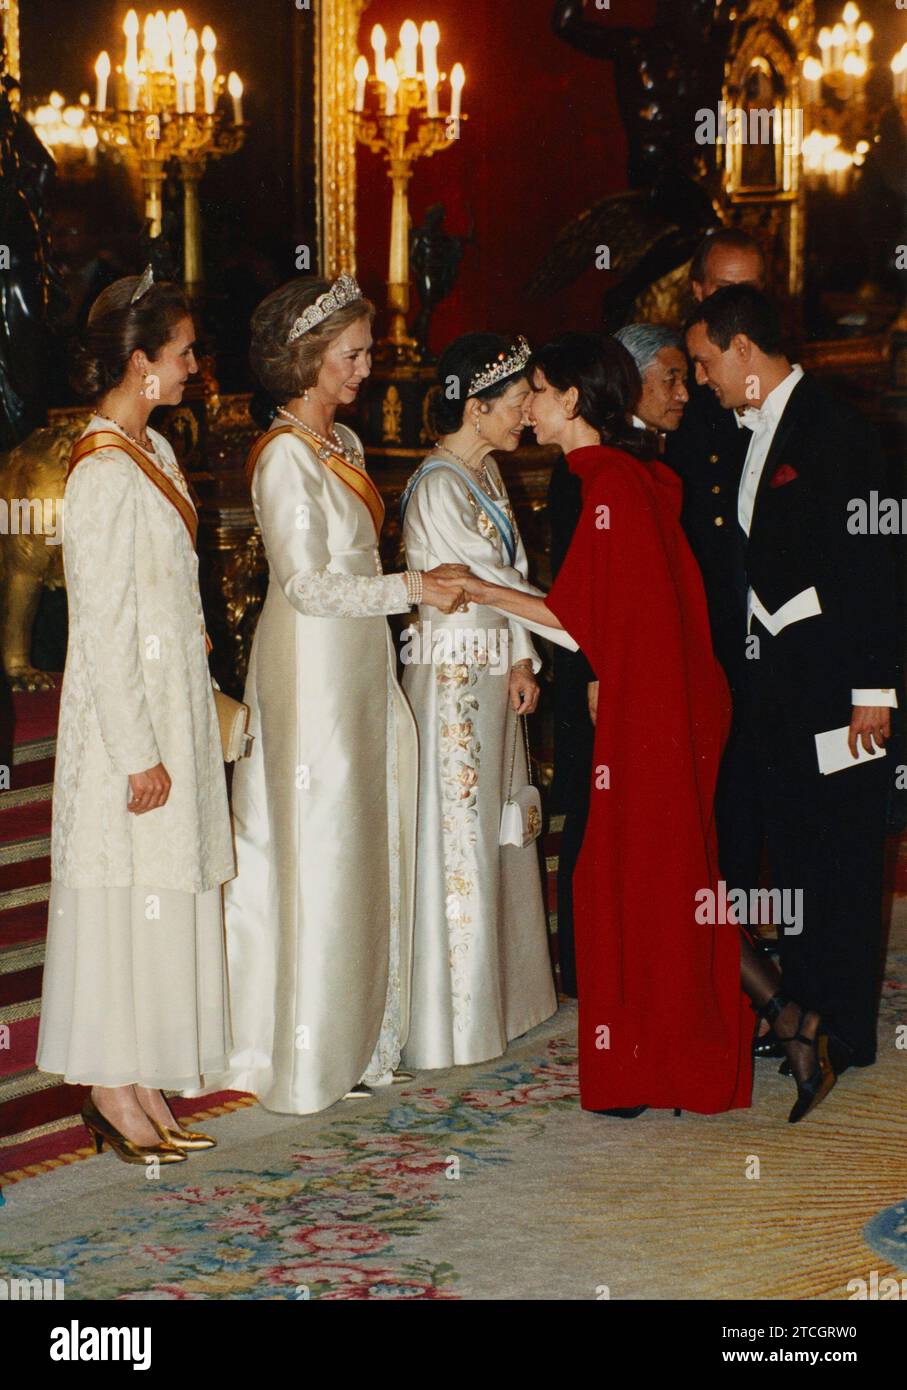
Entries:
{"x":763,"y":421}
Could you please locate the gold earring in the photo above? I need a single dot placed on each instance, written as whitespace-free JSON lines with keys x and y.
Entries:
{"x":478,"y":425}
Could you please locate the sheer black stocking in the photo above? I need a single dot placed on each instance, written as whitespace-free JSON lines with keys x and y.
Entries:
{"x":761,"y":980}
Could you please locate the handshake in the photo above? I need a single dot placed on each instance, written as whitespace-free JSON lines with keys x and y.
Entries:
{"x":452,"y":588}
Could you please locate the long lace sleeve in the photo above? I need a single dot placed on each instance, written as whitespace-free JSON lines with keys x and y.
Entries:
{"x":326,"y":595}
{"x":100,"y":574}
{"x":288,"y":494}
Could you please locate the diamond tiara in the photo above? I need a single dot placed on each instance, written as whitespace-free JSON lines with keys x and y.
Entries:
{"x":144,"y":285}
{"x":343,"y":291}
{"x":504,"y":365}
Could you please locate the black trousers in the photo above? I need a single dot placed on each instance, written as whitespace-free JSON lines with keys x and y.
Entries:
{"x":826,"y":838}
{"x":738,"y":805}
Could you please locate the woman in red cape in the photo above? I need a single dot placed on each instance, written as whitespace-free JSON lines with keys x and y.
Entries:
{"x":663,"y":1017}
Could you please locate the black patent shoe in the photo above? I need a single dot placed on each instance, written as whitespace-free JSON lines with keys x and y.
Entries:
{"x":767,"y":1046}
{"x":623,"y":1112}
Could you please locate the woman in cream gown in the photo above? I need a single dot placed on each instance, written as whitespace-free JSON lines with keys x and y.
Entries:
{"x":319,"y":918}
{"x":135,"y":989}
{"x":481,"y":966}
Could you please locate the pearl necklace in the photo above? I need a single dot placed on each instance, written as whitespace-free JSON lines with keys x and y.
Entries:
{"x":330,"y":446}
{"x":147,"y":448}
{"x":481,"y":472}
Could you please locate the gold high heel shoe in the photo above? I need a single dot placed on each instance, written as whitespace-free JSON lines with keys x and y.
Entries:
{"x":187,"y":1139}
{"x":103,"y":1132}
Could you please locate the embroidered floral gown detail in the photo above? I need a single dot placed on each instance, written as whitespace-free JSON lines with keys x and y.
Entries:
{"x":481,"y":966}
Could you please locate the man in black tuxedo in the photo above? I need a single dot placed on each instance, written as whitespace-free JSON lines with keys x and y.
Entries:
{"x":708,"y":451}
{"x":822,"y":654}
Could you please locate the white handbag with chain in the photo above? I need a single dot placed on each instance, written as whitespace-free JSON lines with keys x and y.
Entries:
{"x":521,"y":815}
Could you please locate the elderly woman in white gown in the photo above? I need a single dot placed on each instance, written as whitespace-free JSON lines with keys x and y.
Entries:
{"x":319,"y":918}
{"x":481,"y":966}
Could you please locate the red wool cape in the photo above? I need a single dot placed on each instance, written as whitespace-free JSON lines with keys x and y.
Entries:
{"x":662,"y":1018}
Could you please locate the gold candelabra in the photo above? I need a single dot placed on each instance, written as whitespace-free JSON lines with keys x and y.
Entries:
{"x":165,"y":108}
{"x":406,"y":125}
{"x":836,"y":99}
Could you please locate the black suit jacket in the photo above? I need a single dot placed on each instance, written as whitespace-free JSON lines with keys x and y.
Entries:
{"x":708,"y":451}
{"x":824,"y":456}
{"x":573,"y":729}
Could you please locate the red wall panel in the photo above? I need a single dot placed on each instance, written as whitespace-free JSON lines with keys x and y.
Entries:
{"x":542,"y":142}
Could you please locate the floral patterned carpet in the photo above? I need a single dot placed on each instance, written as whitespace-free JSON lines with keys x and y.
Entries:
{"x":489,"y":1182}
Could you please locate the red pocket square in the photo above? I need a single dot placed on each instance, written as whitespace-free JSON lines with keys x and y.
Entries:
{"x":785,"y":474}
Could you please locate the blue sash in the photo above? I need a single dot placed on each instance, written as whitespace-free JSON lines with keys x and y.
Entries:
{"x":488,"y":505}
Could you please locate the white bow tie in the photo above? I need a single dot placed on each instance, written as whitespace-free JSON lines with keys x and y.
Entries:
{"x":755,"y":420}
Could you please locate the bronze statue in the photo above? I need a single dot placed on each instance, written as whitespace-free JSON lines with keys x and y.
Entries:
{"x":435,"y":258}
{"x":27,"y":283}
{"x":664,"y":75}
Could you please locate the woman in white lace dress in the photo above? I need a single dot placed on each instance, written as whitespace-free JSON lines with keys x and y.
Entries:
{"x":319,"y":918}
{"x":135,"y":991}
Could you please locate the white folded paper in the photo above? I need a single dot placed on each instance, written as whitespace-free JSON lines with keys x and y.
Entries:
{"x":835,"y":755}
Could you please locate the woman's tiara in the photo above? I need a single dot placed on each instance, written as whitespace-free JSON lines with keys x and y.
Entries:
{"x":144,"y":285}
{"x":343,"y":291}
{"x":504,"y":365}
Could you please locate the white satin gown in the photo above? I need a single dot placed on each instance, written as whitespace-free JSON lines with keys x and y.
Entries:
{"x":319,"y":917}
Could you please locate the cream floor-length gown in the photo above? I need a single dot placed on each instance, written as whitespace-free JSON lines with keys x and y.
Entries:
{"x":319,"y":917}
{"x":135,"y":987}
{"x":481,"y":966}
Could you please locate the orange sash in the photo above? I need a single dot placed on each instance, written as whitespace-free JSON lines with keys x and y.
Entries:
{"x":108,"y":439}
{"x":356,"y":479}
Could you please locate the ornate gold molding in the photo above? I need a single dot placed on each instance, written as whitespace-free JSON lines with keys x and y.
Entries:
{"x":9,"y":15}
{"x":336,"y":33}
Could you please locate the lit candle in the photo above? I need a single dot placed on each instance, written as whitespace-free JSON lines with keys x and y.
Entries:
{"x":838,"y":46}
{"x":234,"y":87}
{"x":131,"y":30}
{"x":148,"y":38}
{"x":432,"y":80}
{"x":102,"y":72}
{"x":853,"y":68}
{"x":379,"y":44}
{"x":409,"y":43}
{"x":176,"y":29}
{"x":131,"y":73}
{"x":899,"y":69}
{"x":851,"y":16}
{"x":457,"y":79}
{"x":825,"y":49}
{"x":360,"y":72}
{"x":430,"y":36}
{"x":391,"y":82}
{"x":209,"y":67}
{"x":191,"y":69}
{"x":865,"y":36}
{"x":812,"y":76}
{"x":90,"y":140}
{"x":209,"y":72}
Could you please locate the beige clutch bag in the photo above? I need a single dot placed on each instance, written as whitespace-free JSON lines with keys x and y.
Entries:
{"x":233,"y":720}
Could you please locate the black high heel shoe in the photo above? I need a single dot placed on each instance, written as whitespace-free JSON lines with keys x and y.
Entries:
{"x":839,"y":1054}
{"x":624,"y":1112}
{"x":817,"y":1085}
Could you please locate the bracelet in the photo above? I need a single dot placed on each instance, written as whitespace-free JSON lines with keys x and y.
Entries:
{"x":413,"y":587}
{"x":524,"y":664}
